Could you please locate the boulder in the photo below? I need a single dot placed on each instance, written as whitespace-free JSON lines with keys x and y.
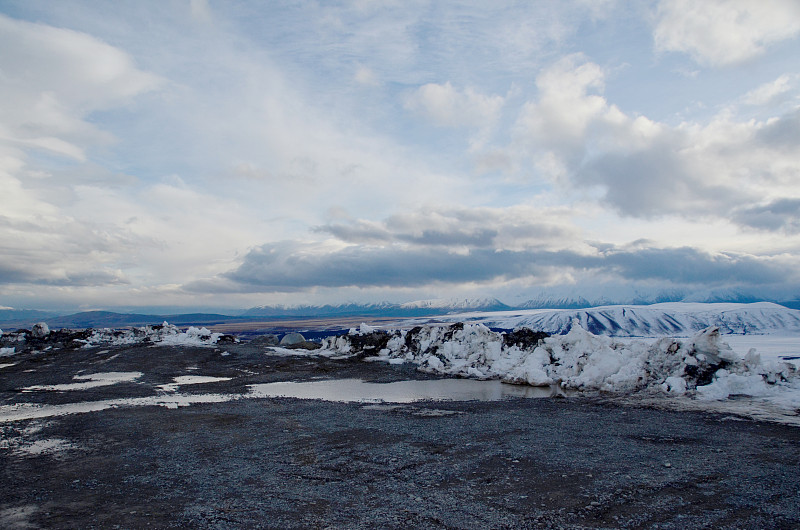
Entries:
{"x":40,"y":330}
{"x":266,"y":340}
{"x":290,"y":339}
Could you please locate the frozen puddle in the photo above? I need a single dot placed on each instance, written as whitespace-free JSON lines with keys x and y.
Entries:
{"x":342,"y":390}
{"x":358,"y":391}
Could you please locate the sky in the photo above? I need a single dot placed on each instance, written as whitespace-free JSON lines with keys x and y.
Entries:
{"x":202,"y":154}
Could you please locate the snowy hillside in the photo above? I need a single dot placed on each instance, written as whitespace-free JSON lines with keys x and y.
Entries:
{"x":673,"y":319}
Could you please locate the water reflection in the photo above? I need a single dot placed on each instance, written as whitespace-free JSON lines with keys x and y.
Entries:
{"x":356,"y":390}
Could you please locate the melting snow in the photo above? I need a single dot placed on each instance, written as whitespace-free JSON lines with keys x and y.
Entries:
{"x":190,"y":380}
{"x":90,"y":381}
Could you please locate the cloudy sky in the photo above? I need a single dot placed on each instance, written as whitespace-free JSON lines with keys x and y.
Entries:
{"x":207,"y":154}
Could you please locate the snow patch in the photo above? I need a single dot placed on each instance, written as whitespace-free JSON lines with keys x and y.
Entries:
{"x":90,"y":381}
{"x":190,"y":380}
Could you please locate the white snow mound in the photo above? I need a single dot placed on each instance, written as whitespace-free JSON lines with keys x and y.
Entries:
{"x":703,"y":367}
{"x":165,"y":334}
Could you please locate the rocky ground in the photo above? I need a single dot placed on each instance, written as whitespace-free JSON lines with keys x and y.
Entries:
{"x":287,"y":463}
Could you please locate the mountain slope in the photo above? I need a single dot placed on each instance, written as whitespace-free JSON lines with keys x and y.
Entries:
{"x":674,"y":318}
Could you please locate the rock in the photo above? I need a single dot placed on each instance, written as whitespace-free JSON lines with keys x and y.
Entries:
{"x":226,"y":339}
{"x":305,"y":345}
{"x":266,"y":340}
{"x":369,"y":343}
{"x":40,"y":330}
{"x":291,"y":339}
{"x":524,"y":338}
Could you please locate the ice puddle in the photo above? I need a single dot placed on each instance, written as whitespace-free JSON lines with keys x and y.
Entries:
{"x":340,"y":390}
{"x":358,"y":391}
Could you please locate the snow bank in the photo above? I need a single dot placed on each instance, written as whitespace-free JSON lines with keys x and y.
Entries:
{"x":166,"y":334}
{"x":703,"y":367}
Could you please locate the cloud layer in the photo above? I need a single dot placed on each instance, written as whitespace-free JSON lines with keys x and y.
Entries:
{"x":194,"y":153}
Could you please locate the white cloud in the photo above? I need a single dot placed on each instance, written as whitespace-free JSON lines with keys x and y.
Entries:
{"x":573,"y":135}
{"x":366,"y":76}
{"x":53,"y":79}
{"x":447,"y":106}
{"x":770,"y":92}
{"x":722,"y":32}
{"x":266,"y":118}
{"x":458,"y":228}
{"x":201,"y":11}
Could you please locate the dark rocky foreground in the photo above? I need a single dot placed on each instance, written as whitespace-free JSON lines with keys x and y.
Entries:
{"x":285,"y":463}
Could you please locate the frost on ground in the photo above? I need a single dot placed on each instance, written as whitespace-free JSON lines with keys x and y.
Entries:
{"x":702,"y":368}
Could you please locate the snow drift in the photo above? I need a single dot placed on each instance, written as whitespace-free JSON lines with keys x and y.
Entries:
{"x":704,"y":366}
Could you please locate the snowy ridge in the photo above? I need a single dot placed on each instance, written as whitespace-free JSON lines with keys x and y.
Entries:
{"x":703,"y":367}
{"x":673,"y":318}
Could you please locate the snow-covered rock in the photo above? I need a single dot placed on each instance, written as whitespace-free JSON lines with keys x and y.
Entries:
{"x":40,"y":330}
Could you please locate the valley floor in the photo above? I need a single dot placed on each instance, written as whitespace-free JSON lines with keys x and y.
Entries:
{"x":290,"y":463}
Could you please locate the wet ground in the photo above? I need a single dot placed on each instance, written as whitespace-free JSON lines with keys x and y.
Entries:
{"x":241,"y":461}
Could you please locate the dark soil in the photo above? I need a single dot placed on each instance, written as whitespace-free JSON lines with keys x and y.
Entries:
{"x":284,"y":463}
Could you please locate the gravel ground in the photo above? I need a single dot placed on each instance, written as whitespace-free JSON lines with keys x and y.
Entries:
{"x":285,"y":463}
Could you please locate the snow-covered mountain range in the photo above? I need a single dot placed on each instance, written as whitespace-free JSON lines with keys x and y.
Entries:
{"x":625,"y":320}
{"x":458,"y":304}
{"x":673,"y":319}
{"x":416,"y":308}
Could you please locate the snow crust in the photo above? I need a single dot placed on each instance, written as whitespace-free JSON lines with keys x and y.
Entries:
{"x":703,"y":367}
